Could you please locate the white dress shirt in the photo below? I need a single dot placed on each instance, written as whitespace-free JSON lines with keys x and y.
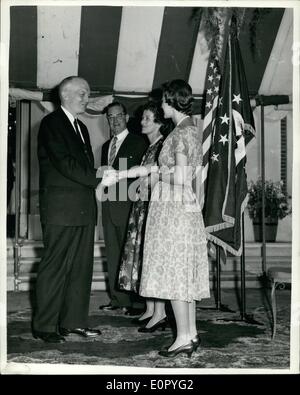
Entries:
{"x":72,"y":119}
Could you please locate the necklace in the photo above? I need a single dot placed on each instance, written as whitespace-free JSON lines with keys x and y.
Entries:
{"x":182,"y":119}
{"x":154,"y":142}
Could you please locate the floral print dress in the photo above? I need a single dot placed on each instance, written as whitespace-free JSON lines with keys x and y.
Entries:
{"x":175,"y":261}
{"x":130,"y":268}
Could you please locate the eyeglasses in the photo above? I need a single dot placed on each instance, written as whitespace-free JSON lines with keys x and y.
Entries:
{"x":118,"y":117}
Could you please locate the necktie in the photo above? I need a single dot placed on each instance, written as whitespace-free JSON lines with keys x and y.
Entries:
{"x":77,"y":130}
{"x":81,"y":138}
{"x":113,"y":150}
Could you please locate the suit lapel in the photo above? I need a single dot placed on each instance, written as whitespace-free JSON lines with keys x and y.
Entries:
{"x":67,"y":126}
{"x":87,"y":146}
{"x":104,"y":157}
{"x":76,"y":140}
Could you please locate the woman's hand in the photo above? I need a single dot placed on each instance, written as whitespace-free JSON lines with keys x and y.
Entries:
{"x":138,"y":171}
{"x":147,"y":183}
{"x":153,"y":178}
{"x":152,"y":169}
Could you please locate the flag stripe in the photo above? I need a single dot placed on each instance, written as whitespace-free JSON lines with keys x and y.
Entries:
{"x":209,"y":117}
{"x":176,"y":46}
{"x":240,"y":151}
{"x":23,"y":46}
{"x":99,"y":38}
{"x":138,"y":46}
{"x":205,"y":171}
{"x":206,"y":145}
{"x":212,"y":87}
{"x":227,"y":214}
{"x":55,"y":62}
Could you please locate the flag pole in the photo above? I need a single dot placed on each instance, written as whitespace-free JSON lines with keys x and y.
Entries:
{"x":243,"y":316}
{"x":17,"y":243}
{"x":218,"y":298}
{"x":218,"y":304}
{"x":262,"y":151}
{"x":243,"y":275}
{"x":248,"y":318}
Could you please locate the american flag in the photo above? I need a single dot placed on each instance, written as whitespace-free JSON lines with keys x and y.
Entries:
{"x":212,"y":88}
{"x":231,"y":127}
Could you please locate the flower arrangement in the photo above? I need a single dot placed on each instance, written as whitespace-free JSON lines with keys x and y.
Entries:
{"x":276,"y":202}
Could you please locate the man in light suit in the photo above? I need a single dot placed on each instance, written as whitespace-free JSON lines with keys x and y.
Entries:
{"x":68,"y":215}
{"x":121,"y":152}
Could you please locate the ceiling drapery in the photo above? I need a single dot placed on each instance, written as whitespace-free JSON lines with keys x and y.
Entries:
{"x":134,"y":49}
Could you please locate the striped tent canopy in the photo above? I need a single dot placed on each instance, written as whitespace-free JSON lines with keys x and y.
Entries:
{"x":130,"y":50}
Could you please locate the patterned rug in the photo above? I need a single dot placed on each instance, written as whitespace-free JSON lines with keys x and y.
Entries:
{"x":227,"y":342}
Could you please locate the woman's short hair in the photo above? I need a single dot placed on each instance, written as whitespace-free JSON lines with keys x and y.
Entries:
{"x":166,"y":124}
{"x":178,"y":94}
{"x":156,"y":110}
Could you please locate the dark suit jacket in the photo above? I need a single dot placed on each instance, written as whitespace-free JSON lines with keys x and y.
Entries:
{"x":131,"y":150}
{"x":67,"y":174}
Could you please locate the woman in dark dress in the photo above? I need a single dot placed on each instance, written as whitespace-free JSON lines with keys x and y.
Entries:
{"x":131,"y":262}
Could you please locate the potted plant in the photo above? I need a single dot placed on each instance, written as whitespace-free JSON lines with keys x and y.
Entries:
{"x":276,"y":207}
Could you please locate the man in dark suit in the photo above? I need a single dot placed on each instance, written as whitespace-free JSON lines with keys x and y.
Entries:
{"x":68,"y":215}
{"x":121,"y":152}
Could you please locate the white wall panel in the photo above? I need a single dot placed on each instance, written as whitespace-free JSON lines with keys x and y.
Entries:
{"x":138,"y":44}
{"x":58,"y":44}
{"x":199,"y":64}
{"x":278,"y":75}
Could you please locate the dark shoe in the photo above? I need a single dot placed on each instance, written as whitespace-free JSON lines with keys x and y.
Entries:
{"x":143,"y":321}
{"x":85,"y":332}
{"x":108,"y":307}
{"x":159,"y":325}
{"x":131,"y":311}
{"x":49,"y":337}
{"x":196,"y":342}
{"x":187,"y":349}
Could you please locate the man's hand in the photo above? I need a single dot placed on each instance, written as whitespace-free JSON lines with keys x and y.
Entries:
{"x":110,"y":177}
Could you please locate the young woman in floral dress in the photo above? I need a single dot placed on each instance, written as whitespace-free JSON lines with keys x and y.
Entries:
{"x":175,"y":262}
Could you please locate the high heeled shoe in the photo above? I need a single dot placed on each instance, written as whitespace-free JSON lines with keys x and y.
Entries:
{"x":188,"y":349}
{"x":143,"y":321}
{"x":196,"y":341}
{"x":159,"y":325}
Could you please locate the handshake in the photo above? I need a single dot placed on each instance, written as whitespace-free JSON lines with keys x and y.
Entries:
{"x":112,"y":176}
